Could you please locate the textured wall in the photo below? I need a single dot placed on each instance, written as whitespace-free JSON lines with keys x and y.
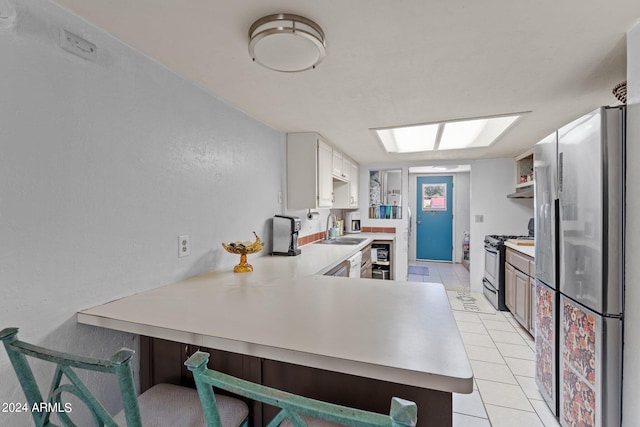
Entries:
{"x":491,"y":181}
{"x":103,"y":165}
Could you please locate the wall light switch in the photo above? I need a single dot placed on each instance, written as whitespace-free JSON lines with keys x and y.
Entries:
{"x":479,"y":218}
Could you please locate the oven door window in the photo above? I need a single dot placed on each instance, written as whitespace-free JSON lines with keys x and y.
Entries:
{"x":491,"y":265}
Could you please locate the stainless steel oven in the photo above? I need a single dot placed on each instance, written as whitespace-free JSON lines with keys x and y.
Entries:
{"x":493,"y":284}
{"x":491,"y":264}
{"x":491,"y":293}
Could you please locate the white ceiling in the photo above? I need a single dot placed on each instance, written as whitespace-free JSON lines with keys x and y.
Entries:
{"x":394,"y":62}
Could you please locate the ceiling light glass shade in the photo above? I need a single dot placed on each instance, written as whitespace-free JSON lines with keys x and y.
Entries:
{"x":408,"y":139}
{"x":286,"y":42}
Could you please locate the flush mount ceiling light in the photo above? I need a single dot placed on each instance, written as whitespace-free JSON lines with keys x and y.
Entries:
{"x":286,"y":42}
{"x":450,"y":135}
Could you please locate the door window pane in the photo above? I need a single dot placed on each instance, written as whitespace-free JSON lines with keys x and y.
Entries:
{"x":434,"y":197}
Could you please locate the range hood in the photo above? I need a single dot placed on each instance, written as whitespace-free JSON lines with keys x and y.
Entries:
{"x":522,"y":193}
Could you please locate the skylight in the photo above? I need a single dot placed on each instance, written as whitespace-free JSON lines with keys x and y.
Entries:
{"x":452,"y":135}
{"x":409,"y":139}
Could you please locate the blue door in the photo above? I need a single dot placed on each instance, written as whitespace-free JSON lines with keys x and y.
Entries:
{"x":434,"y":218}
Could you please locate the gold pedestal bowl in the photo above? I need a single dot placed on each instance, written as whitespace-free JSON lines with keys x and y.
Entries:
{"x":243,"y":248}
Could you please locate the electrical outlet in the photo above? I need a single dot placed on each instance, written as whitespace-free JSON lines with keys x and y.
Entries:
{"x":184,"y":246}
{"x":78,"y":46}
{"x":479,"y":218}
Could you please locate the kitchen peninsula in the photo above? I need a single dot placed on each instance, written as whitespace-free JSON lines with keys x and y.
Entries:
{"x":355,"y":341}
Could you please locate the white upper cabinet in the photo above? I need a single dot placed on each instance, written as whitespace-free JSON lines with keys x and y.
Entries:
{"x":309,"y":175}
{"x":318,"y":175}
{"x":336,"y":164}
{"x":325,"y":180}
{"x":341,"y":167}
{"x":346,"y":168}
{"x":353,"y":186}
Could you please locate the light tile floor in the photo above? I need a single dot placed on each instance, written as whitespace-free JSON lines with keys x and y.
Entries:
{"x":501,"y":355}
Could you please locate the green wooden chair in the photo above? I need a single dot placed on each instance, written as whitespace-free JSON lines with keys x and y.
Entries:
{"x":295,"y":410}
{"x":162,"y":405}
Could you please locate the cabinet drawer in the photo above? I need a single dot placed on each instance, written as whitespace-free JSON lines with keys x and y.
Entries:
{"x":532,"y":268}
{"x":518,"y":260}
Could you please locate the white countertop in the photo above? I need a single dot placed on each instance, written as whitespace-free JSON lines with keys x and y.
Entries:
{"x":527,"y":250}
{"x":402,"y":332}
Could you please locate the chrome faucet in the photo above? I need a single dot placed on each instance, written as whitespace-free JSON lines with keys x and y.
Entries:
{"x":328,"y":222}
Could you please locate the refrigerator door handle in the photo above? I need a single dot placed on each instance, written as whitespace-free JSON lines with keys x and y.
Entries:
{"x":560,"y":168}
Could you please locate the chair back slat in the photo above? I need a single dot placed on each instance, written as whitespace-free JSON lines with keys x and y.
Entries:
{"x":58,"y":357}
{"x":66,"y":364}
{"x":293,"y":407}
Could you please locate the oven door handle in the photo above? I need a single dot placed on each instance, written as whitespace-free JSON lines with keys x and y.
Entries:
{"x":491,"y":252}
{"x":487,"y":287}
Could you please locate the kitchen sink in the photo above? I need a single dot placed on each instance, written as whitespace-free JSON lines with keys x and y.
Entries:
{"x":342,"y":241}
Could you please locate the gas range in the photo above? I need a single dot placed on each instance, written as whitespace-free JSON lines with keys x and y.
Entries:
{"x":493,"y":281}
{"x":495,"y":239}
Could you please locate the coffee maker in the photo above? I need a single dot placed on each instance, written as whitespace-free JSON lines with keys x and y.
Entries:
{"x":353,"y":222}
{"x":285,"y":235}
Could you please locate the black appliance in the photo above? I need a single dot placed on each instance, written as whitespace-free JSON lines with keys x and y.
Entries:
{"x":285,"y":235}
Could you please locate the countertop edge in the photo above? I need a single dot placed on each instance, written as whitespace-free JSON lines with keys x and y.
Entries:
{"x":448,"y":383}
{"x":526,"y":250}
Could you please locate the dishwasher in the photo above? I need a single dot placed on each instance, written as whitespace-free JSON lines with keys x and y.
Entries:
{"x":355,"y":263}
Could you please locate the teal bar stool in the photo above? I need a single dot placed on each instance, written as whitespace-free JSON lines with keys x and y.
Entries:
{"x":162,"y":405}
{"x":295,"y":410}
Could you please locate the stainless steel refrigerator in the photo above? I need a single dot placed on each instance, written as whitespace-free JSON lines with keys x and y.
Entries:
{"x":579,"y":220}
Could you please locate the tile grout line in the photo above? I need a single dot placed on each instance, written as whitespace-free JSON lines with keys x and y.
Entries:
{"x":524,"y":336}
{"x":519,"y":386}
{"x":499,"y":382}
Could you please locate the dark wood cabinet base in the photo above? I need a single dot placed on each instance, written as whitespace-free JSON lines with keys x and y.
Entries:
{"x":162,"y":361}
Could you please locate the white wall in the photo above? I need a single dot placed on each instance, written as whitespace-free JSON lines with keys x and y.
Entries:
{"x":631,"y":381}
{"x":491,"y":181}
{"x":461,"y":209}
{"x":103,"y":165}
